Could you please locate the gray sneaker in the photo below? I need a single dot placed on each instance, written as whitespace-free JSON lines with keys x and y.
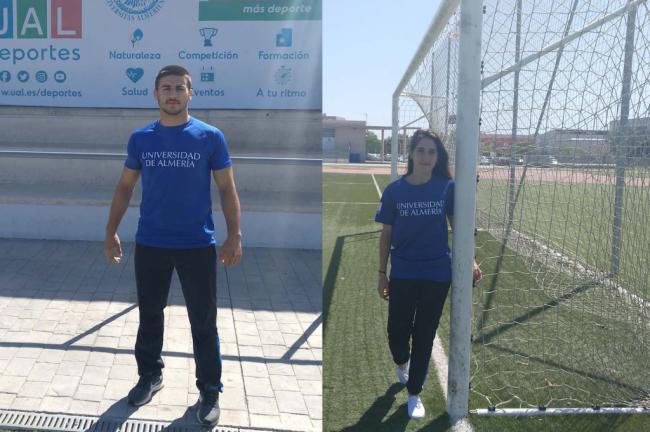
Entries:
{"x":144,"y":390}
{"x":207,"y":408}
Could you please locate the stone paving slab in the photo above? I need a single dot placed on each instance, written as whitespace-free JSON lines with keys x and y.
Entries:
{"x":68,"y":323}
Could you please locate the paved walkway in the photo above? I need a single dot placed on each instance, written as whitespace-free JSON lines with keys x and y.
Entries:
{"x":68,"y":323}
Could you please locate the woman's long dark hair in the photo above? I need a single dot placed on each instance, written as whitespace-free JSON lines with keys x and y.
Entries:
{"x":441,"y":168}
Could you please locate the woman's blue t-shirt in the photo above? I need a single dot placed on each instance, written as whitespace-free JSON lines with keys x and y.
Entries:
{"x":176,"y":164}
{"x":417,"y":214}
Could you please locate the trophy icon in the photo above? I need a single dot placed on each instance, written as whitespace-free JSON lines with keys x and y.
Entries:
{"x":208,"y":33}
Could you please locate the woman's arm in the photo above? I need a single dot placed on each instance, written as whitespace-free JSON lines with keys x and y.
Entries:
{"x":384,"y":250}
{"x":477,"y":274}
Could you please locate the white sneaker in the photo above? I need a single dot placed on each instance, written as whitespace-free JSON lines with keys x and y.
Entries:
{"x":415,"y":407}
{"x":402,"y":373}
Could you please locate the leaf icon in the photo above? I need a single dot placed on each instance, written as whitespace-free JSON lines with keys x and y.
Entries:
{"x":136,"y":36}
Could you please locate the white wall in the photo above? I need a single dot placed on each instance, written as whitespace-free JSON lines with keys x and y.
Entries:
{"x":67,"y":196}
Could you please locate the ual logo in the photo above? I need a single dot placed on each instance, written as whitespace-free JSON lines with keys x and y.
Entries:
{"x":40,"y":19}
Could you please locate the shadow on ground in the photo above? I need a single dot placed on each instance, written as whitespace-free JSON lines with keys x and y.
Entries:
{"x":267,"y":279}
{"x":374,"y":419}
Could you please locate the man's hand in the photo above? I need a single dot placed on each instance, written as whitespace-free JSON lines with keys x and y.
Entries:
{"x":113,"y":248}
{"x":230,"y":253}
{"x":123,"y":192}
{"x":382,"y":286}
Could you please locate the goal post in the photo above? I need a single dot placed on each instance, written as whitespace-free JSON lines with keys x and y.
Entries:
{"x":469,"y":85}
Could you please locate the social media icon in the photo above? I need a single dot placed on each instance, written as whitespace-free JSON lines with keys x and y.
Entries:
{"x":284,"y":38}
{"x":5,"y":76}
{"x":23,"y":76}
{"x":60,"y":76}
{"x":41,"y":76}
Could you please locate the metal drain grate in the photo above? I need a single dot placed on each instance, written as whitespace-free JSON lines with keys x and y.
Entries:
{"x":71,"y":423}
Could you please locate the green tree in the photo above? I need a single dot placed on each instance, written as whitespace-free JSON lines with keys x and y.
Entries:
{"x":566,"y":150}
{"x":487,"y":148}
{"x":387,"y":144}
{"x":527,"y":148}
{"x":373,"y":144}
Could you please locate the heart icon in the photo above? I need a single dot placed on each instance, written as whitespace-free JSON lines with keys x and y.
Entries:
{"x":134,"y":74}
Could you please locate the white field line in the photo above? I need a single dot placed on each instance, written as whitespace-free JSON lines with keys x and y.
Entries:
{"x":599,"y":275}
{"x":376,"y":185}
{"x":441,"y":364}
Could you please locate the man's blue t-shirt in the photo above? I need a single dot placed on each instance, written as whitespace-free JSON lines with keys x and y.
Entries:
{"x":417,"y":213}
{"x":176,"y":164}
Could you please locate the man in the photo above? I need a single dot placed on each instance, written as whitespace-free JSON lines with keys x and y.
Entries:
{"x":175,"y":156}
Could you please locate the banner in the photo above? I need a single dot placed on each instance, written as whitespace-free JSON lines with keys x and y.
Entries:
{"x":241,"y":54}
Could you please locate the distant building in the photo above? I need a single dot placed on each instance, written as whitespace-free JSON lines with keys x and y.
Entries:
{"x":343,"y":139}
{"x":575,"y":145}
{"x":583,"y":145}
{"x":635,"y":140}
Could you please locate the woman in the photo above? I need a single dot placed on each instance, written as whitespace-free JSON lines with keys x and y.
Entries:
{"x":414,"y":211}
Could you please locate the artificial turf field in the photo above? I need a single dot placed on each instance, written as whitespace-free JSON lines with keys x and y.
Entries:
{"x":360,"y":390}
{"x":576,"y":219}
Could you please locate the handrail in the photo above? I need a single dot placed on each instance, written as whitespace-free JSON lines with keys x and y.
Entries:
{"x":121,"y":156}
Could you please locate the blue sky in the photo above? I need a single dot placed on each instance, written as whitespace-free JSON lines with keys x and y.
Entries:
{"x":367,"y":46}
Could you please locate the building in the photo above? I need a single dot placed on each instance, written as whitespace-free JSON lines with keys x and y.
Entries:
{"x":575,"y":145}
{"x":343,"y":139}
{"x":635,"y":140}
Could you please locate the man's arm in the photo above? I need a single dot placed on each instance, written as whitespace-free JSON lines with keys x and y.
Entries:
{"x":121,"y":198}
{"x":231,"y":250}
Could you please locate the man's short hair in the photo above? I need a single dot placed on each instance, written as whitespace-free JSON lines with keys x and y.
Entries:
{"x":176,"y":71}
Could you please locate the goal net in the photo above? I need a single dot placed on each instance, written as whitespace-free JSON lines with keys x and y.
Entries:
{"x":562,"y":318}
